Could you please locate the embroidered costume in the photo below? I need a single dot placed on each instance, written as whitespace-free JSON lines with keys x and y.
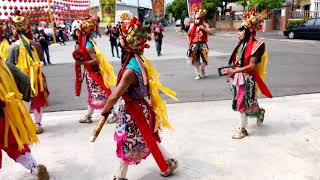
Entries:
{"x":142,"y":111}
{"x":99,"y":74}
{"x":250,"y":52}
{"x":198,"y":39}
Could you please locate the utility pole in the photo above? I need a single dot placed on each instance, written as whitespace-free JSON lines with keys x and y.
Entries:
{"x":52,"y":22}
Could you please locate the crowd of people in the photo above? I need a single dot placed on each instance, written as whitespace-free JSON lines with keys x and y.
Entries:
{"x":135,"y":103}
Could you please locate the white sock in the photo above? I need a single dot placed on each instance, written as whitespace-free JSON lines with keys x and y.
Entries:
{"x":244,"y":120}
{"x":27,"y":161}
{"x":123,"y":169}
{"x":37,"y":116}
{"x":90,"y":111}
{"x":164,"y":152}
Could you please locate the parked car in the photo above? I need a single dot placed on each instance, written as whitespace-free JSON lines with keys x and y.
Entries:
{"x":178,"y":22}
{"x":310,"y":29}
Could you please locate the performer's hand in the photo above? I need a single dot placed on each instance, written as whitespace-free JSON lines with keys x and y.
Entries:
{"x":105,"y":112}
{"x":79,"y":62}
{"x":201,"y":27}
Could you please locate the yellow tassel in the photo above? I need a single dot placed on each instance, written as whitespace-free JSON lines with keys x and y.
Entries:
{"x":261,"y":68}
{"x":107,"y":73}
{"x":158,"y":104}
{"x":4,"y":49}
{"x":31,"y":66}
{"x":17,"y":118}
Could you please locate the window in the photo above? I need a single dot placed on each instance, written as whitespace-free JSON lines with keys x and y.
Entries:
{"x":310,"y":22}
{"x":317,"y":22}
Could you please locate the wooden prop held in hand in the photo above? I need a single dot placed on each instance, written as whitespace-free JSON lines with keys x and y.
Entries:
{"x":98,"y":128}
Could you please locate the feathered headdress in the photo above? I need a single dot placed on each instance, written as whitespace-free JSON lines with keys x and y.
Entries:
{"x":253,"y":20}
{"x":134,"y":36}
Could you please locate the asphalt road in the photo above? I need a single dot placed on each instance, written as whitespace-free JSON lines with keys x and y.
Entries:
{"x":293,"y":69}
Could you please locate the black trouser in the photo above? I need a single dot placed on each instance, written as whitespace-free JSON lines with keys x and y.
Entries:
{"x":46,"y":51}
{"x":114,"y":44}
{"x":158,"y":45}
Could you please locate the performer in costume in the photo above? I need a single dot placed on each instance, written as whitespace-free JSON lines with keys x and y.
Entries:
{"x":198,"y":38}
{"x":24,"y":55}
{"x":98,"y":71}
{"x":139,"y":118}
{"x":17,"y":130}
{"x":248,"y":65}
{"x":4,"y":43}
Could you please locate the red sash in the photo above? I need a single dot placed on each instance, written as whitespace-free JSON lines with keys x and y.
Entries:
{"x":136,"y":111}
{"x":85,"y":55}
{"x":248,"y":53}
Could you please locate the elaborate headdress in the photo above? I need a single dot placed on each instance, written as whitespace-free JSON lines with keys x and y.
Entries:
{"x":134,"y":36}
{"x":199,"y":15}
{"x":253,"y":21}
{"x":19,"y":22}
{"x":89,"y":25}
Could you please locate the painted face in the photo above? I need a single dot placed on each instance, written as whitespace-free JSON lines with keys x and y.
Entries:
{"x":241,"y":34}
{"x":197,"y":19}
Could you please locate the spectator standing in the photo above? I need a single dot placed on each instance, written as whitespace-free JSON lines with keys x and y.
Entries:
{"x":114,"y":35}
{"x":158,"y":35}
{"x":61,"y":36}
{"x":45,"y":42}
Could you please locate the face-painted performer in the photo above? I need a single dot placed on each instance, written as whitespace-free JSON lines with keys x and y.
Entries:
{"x":248,"y":62}
{"x":98,"y":72}
{"x":24,"y":54}
{"x":17,"y":131}
{"x":198,"y":38}
{"x":142,"y":111}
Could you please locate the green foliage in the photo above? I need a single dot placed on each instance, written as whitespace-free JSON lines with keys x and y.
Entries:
{"x":178,"y":8}
{"x":265,"y":4}
{"x":211,"y":7}
{"x":293,"y":23}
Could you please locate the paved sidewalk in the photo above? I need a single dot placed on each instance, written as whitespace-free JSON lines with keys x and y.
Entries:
{"x":286,"y":147}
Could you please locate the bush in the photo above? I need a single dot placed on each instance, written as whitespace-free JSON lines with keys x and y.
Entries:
{"x":293,"y":23}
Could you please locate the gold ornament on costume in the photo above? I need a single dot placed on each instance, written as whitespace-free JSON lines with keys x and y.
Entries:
{"x":253,"y":21}
{"x":19,"y":22}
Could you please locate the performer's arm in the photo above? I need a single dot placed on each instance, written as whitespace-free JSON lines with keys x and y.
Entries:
{"x":206,"y":29}
{"x":127,"y":79}
{"x":246,"y":69}
{"x":94,"y":60}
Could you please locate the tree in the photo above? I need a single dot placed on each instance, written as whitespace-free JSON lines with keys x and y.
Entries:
{"x":265,"y":4}
{"x":178,"y":8}
{"x":211,"y":7}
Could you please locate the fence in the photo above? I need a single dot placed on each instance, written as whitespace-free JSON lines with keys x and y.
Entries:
{"x":303,"y":14}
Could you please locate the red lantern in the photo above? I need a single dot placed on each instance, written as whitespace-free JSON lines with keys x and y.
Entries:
{"x":4,"y":7}
{"x":26,"y":7}
{"x":10,"y":7}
